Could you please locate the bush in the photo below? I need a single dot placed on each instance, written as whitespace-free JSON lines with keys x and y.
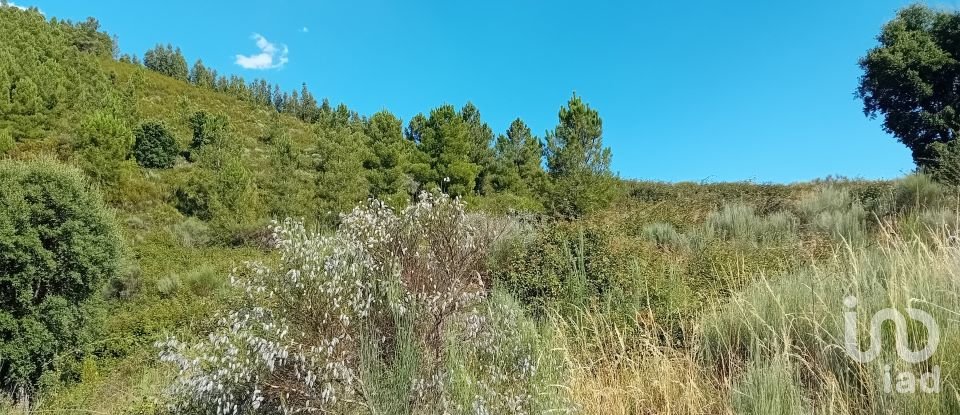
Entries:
{"x":169,"y":285}
{"x":58,"y":246}
{"x":227,"y":198}
{"x":102,"y":144}
{"x":207,"y":130}
{"x":832,"y":211}
{"x":191,"y":233}
{"x":945,"y":166}
{"x":7,"y":143}
{"x":737,"y":222}
{"x":664,"y":235}
{"x":377,"y":294}
{"x":154,"y":147}
{"x":203,"y":280}
{"x":917,"y":192}
{"x":564,"y":265}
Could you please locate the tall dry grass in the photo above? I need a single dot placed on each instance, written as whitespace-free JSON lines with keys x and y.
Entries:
{"x":777,"y":345}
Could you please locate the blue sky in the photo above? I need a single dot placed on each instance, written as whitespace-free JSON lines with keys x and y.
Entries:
{"x":694,"y":90}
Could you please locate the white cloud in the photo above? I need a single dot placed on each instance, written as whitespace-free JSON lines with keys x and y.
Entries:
{"x":12,"y":4}
{"x":305,"y":30}
{"x":270,"y":57}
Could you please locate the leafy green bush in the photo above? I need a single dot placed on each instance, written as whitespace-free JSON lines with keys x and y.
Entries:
{"x":58,"y":246}
{"x":945,"y":166}
{"x":203,"y":280}
{"x":155,"y":147}
{"x":563,"y":264}
{"x":168,"y":285}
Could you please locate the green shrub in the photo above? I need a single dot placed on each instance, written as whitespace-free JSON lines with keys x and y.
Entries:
{"x":191,"y":233}
{"x":945,"y":166}
{"x":155,"y":147}
{"x":207,"y":130}
{"x":127,"y":282}
{"x":102,"y":144}
{"x":735,"y":221}
{"x":58,"y":246}
{"x":917,"y":192}
{"x":7,"y":142}
{"x":169,"y":285}
{"x":563,"y":265}
{"x":202,"y":280}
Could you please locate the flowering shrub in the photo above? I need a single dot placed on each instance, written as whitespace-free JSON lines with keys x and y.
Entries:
{"x":350,"y":321}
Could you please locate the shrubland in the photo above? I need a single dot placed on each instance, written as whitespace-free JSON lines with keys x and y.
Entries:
{"x":180,"y":241}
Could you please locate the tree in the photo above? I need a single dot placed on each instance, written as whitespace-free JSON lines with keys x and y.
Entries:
{"x":103,"y":142}
{"x":481,"y":138}
{"x":58,"y":245}
{"x":518,"y":154}
{"x":339,"y":158}
{"x":910,"y":78}
{"x":26,"y":97}
{"x":279,"y":98}
{"x":207,"y":130}
{"x":88,"y":38}
{"x":388,"y":165}
{"x":201,"y":76}
{"x":945,"y":164}
{"x":7,"y":142}
{"x":154,"y":146}
{"x":445,"y":137}
{"x":308,"y":105}
{"x":168,"y":61}
{"x":577,"y":161}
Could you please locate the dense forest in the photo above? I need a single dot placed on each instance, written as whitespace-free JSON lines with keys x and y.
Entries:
{"x":178,"y":241}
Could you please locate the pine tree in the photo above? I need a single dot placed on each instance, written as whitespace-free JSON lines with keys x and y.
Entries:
{"x":388,"y":165}
{"x":481,"y":138}
{"x":339,"y":157}
{"x":201,"y":76}
{"x":308,"y":105}
{"x":577,"y":161}
{"x":278,"y":98}
{"x":518,"y":161}
{"x":446,"y":138}
{"x":26,"y":97}
{"x":168,"y":61}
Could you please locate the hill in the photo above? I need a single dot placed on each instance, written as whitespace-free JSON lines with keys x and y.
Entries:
{"x":633,"y":296}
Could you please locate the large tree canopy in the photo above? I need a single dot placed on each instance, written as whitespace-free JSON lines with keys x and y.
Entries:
{"x":58,"y":245}
{"x":912,"y":79}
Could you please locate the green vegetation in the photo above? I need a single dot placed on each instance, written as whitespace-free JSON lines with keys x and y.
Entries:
{"x":176,"y":240}
{"x":154,"y":147}
{"x":60,"y":244}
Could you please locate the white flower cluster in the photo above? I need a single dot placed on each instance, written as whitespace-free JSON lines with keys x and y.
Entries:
{"x":296,"y":344}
